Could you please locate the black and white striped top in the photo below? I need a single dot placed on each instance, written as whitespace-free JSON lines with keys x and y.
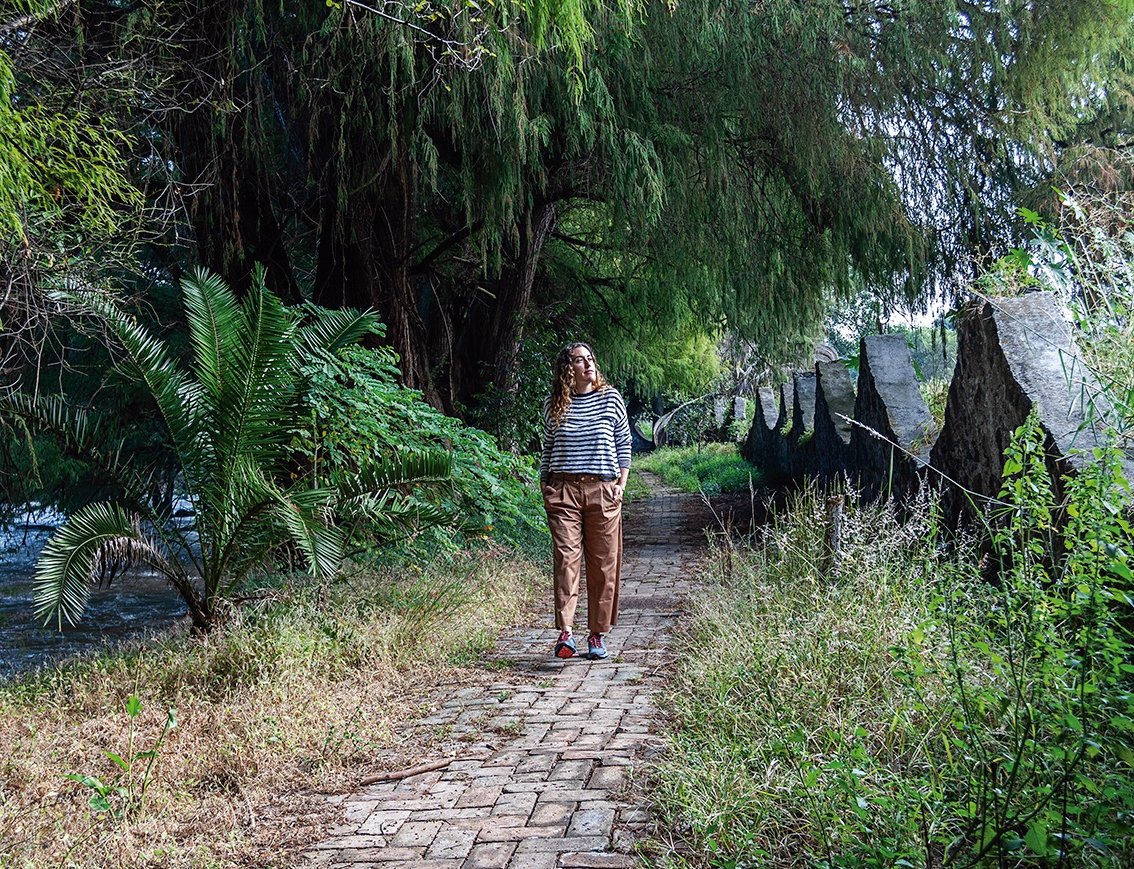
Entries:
{"x":594,"y":438}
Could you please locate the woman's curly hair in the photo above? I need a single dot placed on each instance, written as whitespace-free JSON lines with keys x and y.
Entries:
{"x":563,"y":378}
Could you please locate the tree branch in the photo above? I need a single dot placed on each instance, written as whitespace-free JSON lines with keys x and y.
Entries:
{"x":33,"y":17}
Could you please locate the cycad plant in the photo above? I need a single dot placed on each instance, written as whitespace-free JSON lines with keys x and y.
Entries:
{"x":230,"y":414}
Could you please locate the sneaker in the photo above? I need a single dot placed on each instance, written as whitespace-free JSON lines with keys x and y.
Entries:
{"x":564,"y":646}
{"x":596,"y":648}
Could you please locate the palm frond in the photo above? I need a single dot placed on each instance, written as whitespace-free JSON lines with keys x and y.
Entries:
{"x":401,"y":469}
{"x":391,"y":516}
{"x":90,"y":540}
{"x":213,"y":315}
{"x":252,"y":418}
{"x":81,"y":432}
{"x":177,"y":397}
{"x":328,"y":331}
{"x":75,"y":425}
{"x":320,"y":542}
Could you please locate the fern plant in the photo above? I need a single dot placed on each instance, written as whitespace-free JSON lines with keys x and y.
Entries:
{"x":229,"y":415}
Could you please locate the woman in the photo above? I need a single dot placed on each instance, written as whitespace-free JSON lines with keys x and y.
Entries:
{"x":583,"y":469}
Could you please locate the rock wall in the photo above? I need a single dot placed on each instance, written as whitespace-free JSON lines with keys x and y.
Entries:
{"x":759,"y":445}
{"x":1013,"y":355}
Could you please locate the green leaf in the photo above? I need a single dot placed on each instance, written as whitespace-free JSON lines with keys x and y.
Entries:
{"x":88,"y":781}
{"x":69,"y":562}
{"x":1122,"y":569}
{"x":1036,"y":838}
{"x":133,"y":705}
{"x":118,"y":761}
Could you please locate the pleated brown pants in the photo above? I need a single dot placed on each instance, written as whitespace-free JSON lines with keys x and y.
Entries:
{"x":585,"y":518}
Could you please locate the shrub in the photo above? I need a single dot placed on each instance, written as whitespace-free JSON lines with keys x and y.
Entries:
{"x":359,"y":412}
{"x":896,"y":707}
{"x":226,"y":412}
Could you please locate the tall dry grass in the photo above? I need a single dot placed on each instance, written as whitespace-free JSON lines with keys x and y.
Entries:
{"x":787,"y":666}
{"x":917,"y":702}
{"x":293,"y":698}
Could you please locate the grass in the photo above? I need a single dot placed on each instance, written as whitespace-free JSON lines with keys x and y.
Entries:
{"x":784,"y":667}
{"x":291,"y":699}
{"x":818,"y":717}
{"x":637,"y":489}
{"x":935,"y":392}
{"x":709,"y":468}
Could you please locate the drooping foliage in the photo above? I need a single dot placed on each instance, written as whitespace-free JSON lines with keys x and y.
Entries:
{"x":66,"y":182}
{"x":655,"y":173}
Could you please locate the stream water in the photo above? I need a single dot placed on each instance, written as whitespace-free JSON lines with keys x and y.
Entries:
{"x":135,"y":604}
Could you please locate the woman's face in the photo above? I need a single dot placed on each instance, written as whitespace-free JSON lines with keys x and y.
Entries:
{"x":582,"y":366}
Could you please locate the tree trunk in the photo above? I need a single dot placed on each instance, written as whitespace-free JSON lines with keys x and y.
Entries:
{"x":365,"y":237}
{"x":507,"y":325}
{"x":488,"y":339}
{"x":231,"y":209}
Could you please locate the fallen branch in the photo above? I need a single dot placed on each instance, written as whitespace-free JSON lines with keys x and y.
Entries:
{"x":398,"y":775}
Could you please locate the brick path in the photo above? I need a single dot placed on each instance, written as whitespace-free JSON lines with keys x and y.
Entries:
{"x":550,"y":752}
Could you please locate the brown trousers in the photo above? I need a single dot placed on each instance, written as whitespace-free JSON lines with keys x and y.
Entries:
{"x":585,"y":519}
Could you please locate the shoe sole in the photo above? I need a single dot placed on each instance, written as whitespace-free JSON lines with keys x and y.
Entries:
{"x":595,"y":657}
{"x":564,"y":651}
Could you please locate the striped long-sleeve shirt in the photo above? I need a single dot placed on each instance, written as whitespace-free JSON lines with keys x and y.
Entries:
{"x":594,"y":438}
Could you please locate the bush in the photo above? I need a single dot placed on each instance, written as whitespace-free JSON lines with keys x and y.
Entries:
{"x":898,"y":708}
{"x":359,"y":410}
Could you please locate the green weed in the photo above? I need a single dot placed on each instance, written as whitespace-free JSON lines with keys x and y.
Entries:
{"x":710,"y":468}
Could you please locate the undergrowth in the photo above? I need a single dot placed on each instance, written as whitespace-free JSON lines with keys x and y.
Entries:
{"x":293,"y":696}
{"x":708,"y":468}
{"x":918,"y":701}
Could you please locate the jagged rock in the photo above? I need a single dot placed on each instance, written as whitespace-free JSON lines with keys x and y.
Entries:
{"x":739,"y":407}
{"x":777,"y":471}
{"x":719,"y":404}
{"x":800,"y":438}
{"x":803,"y":403}
{"x":890,"y":403}
{"x":834,"y":403}
{"x":1012,"y":355}
{"x":758,"y":446}
{"x":787,"y":405}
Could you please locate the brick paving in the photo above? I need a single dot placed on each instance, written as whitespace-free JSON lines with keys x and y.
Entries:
{"x":549,"y":752}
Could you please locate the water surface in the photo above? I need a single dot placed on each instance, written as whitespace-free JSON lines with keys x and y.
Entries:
{"x":134,"y":605}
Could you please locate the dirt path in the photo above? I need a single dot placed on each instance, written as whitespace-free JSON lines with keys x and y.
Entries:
{"x":549,"y":752}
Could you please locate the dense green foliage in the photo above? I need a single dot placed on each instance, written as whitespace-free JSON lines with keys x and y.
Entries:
{"x":228,"y":416}
{"x":651,"y":174}
{"x":359,"y":413}
{"x":910,"y":704}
